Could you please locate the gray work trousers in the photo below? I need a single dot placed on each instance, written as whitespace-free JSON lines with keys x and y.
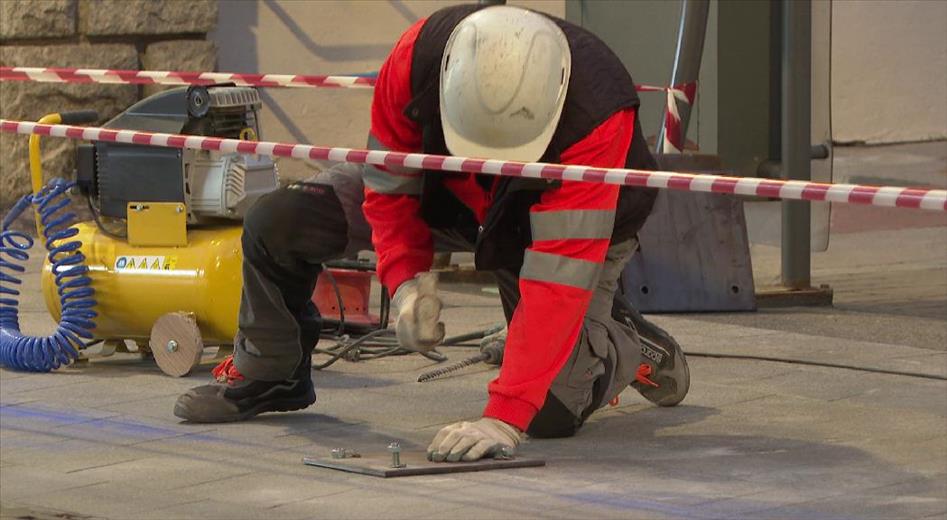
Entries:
{"x":289,"y":233}
{"x":604,"y":360}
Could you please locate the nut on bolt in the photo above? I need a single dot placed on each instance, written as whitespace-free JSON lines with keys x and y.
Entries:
{"x":172,"y":346}
{"x":395,"y":449}
{"x":344,"y":453}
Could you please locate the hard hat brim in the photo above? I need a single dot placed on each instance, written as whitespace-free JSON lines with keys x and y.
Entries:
{"x":528,"y":152}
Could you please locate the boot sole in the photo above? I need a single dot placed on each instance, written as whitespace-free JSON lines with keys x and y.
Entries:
{"x":183,"y":411}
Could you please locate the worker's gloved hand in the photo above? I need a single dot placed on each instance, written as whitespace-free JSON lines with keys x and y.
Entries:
{"x":418,"y":325}
{"x":469,"y":441}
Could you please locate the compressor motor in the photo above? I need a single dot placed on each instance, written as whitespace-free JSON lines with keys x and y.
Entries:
{"x":214,"y":187}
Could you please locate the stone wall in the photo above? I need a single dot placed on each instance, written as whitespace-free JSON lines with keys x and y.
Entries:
{"x":101,"y":34}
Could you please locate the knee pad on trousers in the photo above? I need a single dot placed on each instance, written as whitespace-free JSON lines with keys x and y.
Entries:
{"x":265,"y":224}
{"x":303,"y":221}
{"x":270,"y":220}
{"x":554,"y":421}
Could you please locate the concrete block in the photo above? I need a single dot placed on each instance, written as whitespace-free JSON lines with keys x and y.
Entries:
{"x":72,"y":457}
{"x":208,"y":450}
{"x":21,"y":482}
{"x":27,"y":19}
{"x":164,"y":473}
{"x":364,"y":501}
{"x":18,"y":390}
{"x":608,"y":512}
{"x":93,"y":426}
{"x":868,"y":506}
{"x":15,"y":510}
{"x":180,"y":55}
{"x":270,"y":490}
{"x":81,"y":395}
{"x":110,"y":499}
{"x":30,"y":101}
{"x":918,"y":395}
{"x":212,"y":508}
{"x":128,"y":17}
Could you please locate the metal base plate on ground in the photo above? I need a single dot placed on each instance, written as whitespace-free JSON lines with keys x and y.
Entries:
{"x":415,"y":464}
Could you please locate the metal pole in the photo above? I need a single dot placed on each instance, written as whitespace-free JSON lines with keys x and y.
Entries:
{"x":690,"y":49}
{"x":796,"y":129}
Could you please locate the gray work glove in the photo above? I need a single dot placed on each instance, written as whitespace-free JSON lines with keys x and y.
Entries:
{"x":496,"y":340}
{"x":469,"y":441}
{"x":418,"y":324}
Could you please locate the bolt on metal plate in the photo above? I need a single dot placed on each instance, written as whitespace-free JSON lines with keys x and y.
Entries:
{"x":395,"y":449}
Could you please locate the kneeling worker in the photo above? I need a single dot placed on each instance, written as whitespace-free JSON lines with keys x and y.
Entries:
{"x":493,"y":82}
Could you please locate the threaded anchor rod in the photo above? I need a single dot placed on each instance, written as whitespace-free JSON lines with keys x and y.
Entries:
{"x":434,"y":374}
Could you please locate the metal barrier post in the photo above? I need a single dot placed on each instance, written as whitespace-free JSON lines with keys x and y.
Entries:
{"x":796,"y":69}
{"x":690,"y":49}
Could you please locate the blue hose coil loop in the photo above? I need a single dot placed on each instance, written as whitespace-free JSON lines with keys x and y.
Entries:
{"x":43,"y":354}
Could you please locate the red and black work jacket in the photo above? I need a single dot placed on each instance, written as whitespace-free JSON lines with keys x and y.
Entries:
{"x":554,"y":234}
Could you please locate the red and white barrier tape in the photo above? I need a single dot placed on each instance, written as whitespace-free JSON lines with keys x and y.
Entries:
{"x":167,"y":77}
{"x":673,"y":140}
{"x":673,"y":136}
{"x":929,"y":199}
{"x":154,"y":77}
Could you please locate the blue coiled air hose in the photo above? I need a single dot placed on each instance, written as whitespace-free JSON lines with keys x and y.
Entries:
{"x":43,"y":354}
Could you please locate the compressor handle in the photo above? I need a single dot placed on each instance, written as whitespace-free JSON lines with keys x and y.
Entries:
{"x":78,"y":117}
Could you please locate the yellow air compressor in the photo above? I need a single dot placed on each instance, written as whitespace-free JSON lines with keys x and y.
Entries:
{"x":160,"y":261}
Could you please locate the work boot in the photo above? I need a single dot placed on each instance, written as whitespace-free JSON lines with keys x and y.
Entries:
{"x":663,"y":376}
{"x":234,"y":397}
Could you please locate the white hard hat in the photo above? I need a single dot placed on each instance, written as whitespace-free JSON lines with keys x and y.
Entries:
{"x":503,"y":84}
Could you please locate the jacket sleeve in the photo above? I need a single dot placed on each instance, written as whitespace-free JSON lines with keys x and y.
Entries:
{"x":571,"y":229}
{"x":400,"y":237}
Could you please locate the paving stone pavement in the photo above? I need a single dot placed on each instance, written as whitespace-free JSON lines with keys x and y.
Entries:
{"x":752,"y":440}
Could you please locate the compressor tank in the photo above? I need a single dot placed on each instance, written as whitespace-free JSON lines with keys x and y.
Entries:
{"x":134,"y":285}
